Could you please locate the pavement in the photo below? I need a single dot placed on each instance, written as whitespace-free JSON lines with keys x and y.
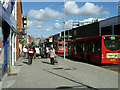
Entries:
{"x":67,"y":74}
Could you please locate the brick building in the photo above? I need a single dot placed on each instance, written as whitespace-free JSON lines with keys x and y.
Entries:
{"x":19,"y":24}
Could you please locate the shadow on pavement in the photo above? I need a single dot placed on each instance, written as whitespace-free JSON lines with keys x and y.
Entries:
{"x":46,"y":62}
{"x":69,"y":87}
{"x":64,"y":87}
{"x":82,"y":85}
{"x":26,"y":63}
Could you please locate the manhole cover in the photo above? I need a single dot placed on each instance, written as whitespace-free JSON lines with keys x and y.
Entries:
{"x":69,"y":68}
{"x":18,"y":65}
{"x":12,"y":74}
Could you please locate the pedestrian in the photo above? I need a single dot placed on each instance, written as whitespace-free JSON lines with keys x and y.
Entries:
{"x":34,"y":52}
{"x":30,"y":54}
{"x":52,"y":55}
{"x":47,"y":52}
{"x":37,"y":51}
{"x":19,"y":52}
{"x":25,"y":52}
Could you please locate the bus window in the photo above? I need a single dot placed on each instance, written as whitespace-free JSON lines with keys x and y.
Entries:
{"x":77,"y":47}
{"x":65,"y":45}
{"x":93,"y":48}
{"x":112,"y":42}
{"x":88,"y":46}
{"x":119,"y":43}
{"x":83,"y":47}
{"x":97,"y":46}
{"x":60,"y":45}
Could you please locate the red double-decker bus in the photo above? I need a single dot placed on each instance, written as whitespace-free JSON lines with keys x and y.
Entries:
{"x":99,"y":49}
{"x":59,"y":47}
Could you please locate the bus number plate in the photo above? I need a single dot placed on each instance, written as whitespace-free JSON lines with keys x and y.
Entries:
{"x":112,"y":59}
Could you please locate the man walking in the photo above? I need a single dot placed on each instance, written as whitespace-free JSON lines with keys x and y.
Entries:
{"x":30,"y":53}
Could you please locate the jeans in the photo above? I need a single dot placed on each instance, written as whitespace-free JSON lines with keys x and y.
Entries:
{"x":25,"y":54}
{"x":30,"y":58}
{"x":52,"y":61}
{"x":47,"y":55}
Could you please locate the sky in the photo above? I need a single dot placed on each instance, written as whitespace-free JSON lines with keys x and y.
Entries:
{"x":46,"y":18}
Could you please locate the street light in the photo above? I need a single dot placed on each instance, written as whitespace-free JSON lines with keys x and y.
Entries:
{"x":64,"y":29}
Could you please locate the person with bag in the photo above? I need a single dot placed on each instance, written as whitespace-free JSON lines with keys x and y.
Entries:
{"x":25,"y":52}
{"x":52,"y":55}
{"x":30,"y":54}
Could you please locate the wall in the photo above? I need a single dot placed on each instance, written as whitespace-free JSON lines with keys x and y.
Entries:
{"x":19,"y":24}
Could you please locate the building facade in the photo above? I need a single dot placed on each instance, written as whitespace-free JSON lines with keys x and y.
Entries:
{"x":7,"y":29}
{"x":19,"y":26}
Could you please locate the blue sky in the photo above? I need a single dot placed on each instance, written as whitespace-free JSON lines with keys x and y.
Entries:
{"x":42,"y":16}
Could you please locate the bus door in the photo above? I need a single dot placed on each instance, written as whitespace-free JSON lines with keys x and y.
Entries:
{"x":77,"y":51}
{"x":96,"y":51}
{"x":74,"y":51}
{"x":79,"y":48}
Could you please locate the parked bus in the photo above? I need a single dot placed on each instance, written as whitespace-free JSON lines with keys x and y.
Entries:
{"x":99,"y":49}
{"x":59,"y":47}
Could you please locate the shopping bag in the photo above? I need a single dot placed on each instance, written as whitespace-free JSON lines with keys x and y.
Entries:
{"x":55,"y":60}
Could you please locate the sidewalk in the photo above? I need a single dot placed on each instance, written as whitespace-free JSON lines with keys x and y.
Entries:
{"x":41,"y":74}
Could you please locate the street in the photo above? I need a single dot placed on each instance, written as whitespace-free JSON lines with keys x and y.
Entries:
{"x":65,"y":74}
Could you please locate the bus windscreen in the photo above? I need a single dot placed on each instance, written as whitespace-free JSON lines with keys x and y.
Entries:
{"x":112,"y":43}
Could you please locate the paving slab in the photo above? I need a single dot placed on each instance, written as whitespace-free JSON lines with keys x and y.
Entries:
{"x":65,"y":74}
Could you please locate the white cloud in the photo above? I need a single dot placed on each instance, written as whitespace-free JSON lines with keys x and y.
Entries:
{"x":107,"y":13}
{"x":47,"y":28}
{"x":35,"y":23}
{"x":29,"y":24}
{"x":44,"y":14}
{"x":57,"y":26}
{"x":72,"y":9}
{"x":39,"y":27}
{"x":68,"y":24}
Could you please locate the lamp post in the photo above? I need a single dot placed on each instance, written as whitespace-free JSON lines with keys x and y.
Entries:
{"x":119,"y":8}
{"x":64,"y":29}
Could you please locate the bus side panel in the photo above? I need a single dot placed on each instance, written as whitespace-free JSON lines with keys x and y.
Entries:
{"x":93,"y":57}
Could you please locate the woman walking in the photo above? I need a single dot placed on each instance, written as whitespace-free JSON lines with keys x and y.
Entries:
{"x":52,"y":55}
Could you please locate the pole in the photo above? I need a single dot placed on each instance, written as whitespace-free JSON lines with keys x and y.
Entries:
{"x":26,"y":28}
{"x":64,"y":29}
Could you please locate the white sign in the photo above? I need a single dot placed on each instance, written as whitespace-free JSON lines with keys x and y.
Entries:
{"x":5,"y":3}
